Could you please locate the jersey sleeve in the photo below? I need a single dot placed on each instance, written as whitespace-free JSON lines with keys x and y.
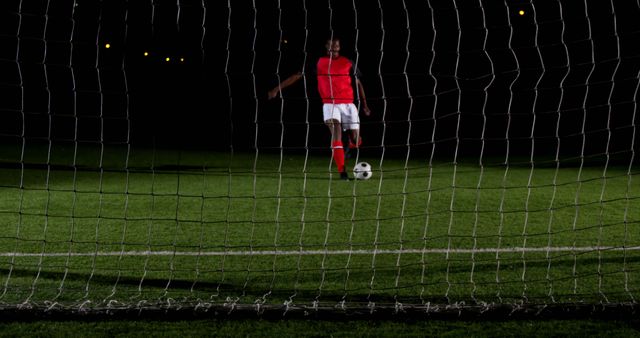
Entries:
{"x":355,"y":70}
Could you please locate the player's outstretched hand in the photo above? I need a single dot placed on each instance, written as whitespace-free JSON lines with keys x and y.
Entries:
{"x":272,"y":93}
{"x":366,"y":110}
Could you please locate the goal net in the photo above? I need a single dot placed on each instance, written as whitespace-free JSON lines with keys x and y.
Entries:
{"x":154,"y":157}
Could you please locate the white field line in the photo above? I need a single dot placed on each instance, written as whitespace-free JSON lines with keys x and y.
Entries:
{"x":318,"y":252}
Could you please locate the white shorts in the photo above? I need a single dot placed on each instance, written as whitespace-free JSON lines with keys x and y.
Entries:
{"x":345,"y":113}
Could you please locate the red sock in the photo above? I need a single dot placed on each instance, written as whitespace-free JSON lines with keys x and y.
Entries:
{"x":338,"y":155}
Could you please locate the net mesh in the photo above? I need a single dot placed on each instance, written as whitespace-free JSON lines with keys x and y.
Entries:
{"x":144,"y":168}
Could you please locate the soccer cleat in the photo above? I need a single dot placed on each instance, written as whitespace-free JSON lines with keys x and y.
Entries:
{"x":344,"y":176}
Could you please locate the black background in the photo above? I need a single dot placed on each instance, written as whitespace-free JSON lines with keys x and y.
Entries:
{"x":562,"y":73}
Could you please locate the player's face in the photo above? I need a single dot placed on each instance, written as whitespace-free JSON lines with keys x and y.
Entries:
{"x":333,"y":48}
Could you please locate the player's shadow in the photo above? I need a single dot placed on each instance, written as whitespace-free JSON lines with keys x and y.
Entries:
{"x":359,"y":289}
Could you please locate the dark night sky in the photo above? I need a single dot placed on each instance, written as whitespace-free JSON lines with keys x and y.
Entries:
{"x":74,"y":89}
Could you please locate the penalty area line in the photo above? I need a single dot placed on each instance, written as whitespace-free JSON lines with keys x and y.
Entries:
{"x":320,"y":252}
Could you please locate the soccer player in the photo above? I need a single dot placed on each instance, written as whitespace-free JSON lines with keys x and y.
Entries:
{"x":336,"y":77}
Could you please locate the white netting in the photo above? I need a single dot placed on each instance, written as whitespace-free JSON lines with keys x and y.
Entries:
{"x":142,"y":165}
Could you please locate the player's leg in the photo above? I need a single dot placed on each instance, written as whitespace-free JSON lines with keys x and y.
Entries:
{"x":346,"y":139}
{"x":355,"y":141}
{"x":351,"y":122}
{"x":332,"y":121}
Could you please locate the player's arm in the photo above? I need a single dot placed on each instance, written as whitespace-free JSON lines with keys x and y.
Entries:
{"x":363,"y":98}
{"x":284,"y":84}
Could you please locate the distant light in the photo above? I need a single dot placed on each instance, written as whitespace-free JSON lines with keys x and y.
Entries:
{"x":146,"y":53}
{"x":181,"y":59}
{"x":521,"y":12}
{"x":167,"y":59}
{"x":107,"y":46}
{"x":285,"y":41}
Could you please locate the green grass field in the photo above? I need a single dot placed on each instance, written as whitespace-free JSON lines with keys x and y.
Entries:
{"x":160,"y":228}
{"x":306,"y":328}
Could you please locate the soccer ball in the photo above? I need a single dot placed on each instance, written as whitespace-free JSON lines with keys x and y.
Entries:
{"x":362,"y":171}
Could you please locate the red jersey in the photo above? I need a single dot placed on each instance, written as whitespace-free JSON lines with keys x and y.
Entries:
{"x":334,"y":79}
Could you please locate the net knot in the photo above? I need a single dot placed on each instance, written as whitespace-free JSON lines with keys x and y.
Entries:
{"x":51,"y":305}
{"x":202,"y":305}
{"x":170,"y":302}
{"x":287,"y":305}
{"x":371,"y":306}
{"x":398,"y":307}
{"x":112,"y":304}
{"x":84,"y":306}
{"x":230,"y":303}
{"x":26,"y":305}
{"x":258,"y":305}
{"x":341,"y":305}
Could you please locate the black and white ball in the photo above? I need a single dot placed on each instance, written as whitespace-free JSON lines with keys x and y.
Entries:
{"x":362,"y":171}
